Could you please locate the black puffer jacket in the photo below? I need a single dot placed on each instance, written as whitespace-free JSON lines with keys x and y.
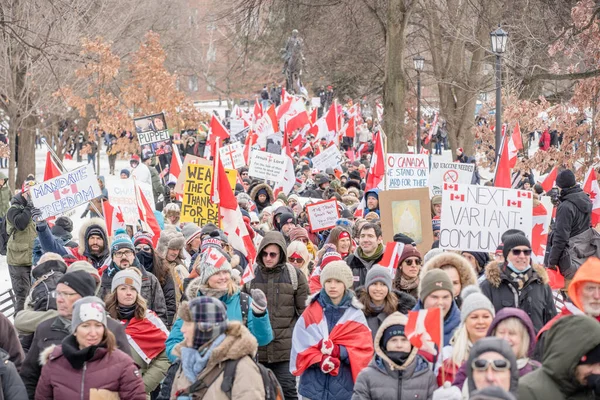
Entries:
{"x":573,"y":216}
{"x":284,"y":304}
{"x":11,"y":383}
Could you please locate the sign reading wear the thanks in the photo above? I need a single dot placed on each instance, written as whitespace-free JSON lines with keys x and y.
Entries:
{"x":121,"y":193}
{"x":196,"y":205}
{"x":232,"y":156}
{"x":267,"y":166}
{"x":406,"y":171}
{"x":322,"y":215}
{"x":328,"y":158}
{"x":475,"y":217}
{"x":65,"y":192}
{"x":448,"y":172}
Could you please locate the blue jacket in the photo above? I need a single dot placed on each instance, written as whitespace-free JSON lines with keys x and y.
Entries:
{"x":260,"y":327}
{"x":374,"y":191}
{"x":451,"y":322}
{"x":316,"y":385}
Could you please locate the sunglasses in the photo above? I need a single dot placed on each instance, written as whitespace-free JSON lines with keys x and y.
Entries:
{"x":255,"y":223}
{"x":145,"y":248}
{"x":269,"y":255}
{"x":497,"y":365}
{"x":517,"y":252}
{"x":295,"y":260}
{"x":410,"y":262}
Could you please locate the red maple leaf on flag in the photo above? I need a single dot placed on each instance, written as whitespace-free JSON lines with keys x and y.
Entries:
{"x":593,"y":195}
{"x":538,"y":237}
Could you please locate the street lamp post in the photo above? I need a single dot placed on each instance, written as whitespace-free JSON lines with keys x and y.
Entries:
{"x":419,"y":62}
{"x":498,"y":39}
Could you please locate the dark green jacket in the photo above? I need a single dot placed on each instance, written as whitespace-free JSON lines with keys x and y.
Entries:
{"x":566,"y":342}
{"x":21,"y":231}
{"x":5,"y":195}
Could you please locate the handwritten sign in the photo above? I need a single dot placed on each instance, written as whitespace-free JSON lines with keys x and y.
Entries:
{"x":475,"y":217}
{"x":153,"y":135}
{"x":267,"y":166}
{"x":232,"y":156}
{"x":450,"y":172}
{"x":121,"y":193}
{"x":322,"y":215}
{"x":63,"y":193}
{"x":328,"y":158}
{"x":406,"y":171}
{"x":196,"y":205}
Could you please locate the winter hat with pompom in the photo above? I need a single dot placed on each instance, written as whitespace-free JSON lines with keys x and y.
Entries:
{"x":339,"y":271}
{"x":474,"y":300}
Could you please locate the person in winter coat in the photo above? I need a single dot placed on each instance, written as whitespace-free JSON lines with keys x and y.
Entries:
{"x":571,"y":366}
{"x":145,"y":331}
{"x":368,"y":253}
{"x":476,"y":315}
{"x":299,"y":257}
{"x":572,"y":234}
{"x":63,"y":226}
{"x":158,"y":190}
{"x":262,"y":195}
{"x":436,"y":206}
{"x":407,"y":273}
{"x":519,"y":284}
{"x":380,"y":300}
{"x":71,"y":287}
{"x":93,"y":244}
{"x":372,"y":200}
{"x":544,"y":143}
{"x":341,"y":238}
{"x":5,"y":194}
{"x":323,"y":355}
{"x":459,"y":270}
{"x":286,"y":290}
{"x":123,"y":256}
{"x":152,"y":263}
{"x":211,"y":342}
{"x":11,"y":385}
{"x":216,"y":281}
{"x":9,"y":343}
{"x":396,"y":371}
{"x":140,"y":171}
{"x":170,"y":251}
{"x":87,"y":364}
{"x":491,"y":363}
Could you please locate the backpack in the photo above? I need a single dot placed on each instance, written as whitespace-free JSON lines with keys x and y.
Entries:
{"x":272,"y":387}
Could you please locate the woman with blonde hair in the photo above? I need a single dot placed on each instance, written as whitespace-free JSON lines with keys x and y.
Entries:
{"x":299,"y":257}
{"x":146,"y":332}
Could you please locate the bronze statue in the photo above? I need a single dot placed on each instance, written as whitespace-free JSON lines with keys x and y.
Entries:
{"x":293,"y":62}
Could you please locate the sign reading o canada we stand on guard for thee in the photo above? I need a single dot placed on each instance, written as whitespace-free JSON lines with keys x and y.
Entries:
{"x":63,"y":193}
{"x":475,"y":217}
{"x":322,"y":215}
{"x":267,"y":166}
{"x":406,"y":171}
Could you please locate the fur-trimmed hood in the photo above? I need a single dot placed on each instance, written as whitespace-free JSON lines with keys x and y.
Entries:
{"x":465,"y":270}
{"x":495,"y":275}
{"x":255,"y":190}
{"x":393,"y":319}
{"x":83,"y":234}
{"x":170,"y":238}
{"x":191,"y":292}
{"x":238,"y":343}
{"x":45,"y":354}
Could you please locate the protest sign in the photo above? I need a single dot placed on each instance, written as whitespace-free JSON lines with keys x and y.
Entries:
{"x":406,"y":171}
{"x":121,"y":193}
{"x":235,"y":126}
{"x":450,"y":172}
{"x":189,"y":159}
{"x":322,"y":215}
{"x":232,"y":156}
{"x":65,"y":192}
{"x":475,"y":217}
{"x":153,"y":135}
{"x":407,"y":212}
{"x":328,"y":158}
{"x":315,"y":102}
{"x":196,"y":205}
{"x":267,"y":166}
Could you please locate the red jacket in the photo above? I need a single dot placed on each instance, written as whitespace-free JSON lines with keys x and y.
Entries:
{"x":545,"y":140}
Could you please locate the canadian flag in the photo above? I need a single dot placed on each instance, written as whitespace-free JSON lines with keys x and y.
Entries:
{"x":147,"y":215}
{"x":258,"y":110}
{"x":289,"y":177}
{"x":51,"y":170}
{"x":503,"y":178}
{"x":297,"y":141}
{"x":377,"y":168}
{"x":313,"y":115}
{"x":298,"y":121}
{"x":424,"y":329}
{"x":327,"y":126}
{"x":433,"y":129}
{"x":266,"y":126}
{"x":176,"y":164}
{"x":450,"y":186}
{"x":306,"y":149}
{"x":510,"y":203}
{"x":457,"y":197}
{"x":292,"y":107}
{"x":550,"y":180}
{"x":113,"y":217}
{"x":354,"y":110}
{"x":217,"y":130}
{"x":391,"y":256}
{"x":515,"y":143}
{"x":214,"y":258}
{"x":539,"y":233}
{"x":349,"y":130}
{"x":232,"y":221}
{"x":590,"y":186}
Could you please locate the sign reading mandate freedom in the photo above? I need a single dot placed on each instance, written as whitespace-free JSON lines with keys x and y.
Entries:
{"x":475,"y":217}
{"x":63,"y":193}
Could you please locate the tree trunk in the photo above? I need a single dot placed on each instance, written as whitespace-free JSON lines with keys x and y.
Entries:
{"x":12,"y":140}
{"x":394,"y":86}
{"x":26,"y":149}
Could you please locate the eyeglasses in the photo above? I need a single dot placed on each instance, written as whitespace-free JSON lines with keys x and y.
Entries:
{"x":269,"y":255}
{"x":255,"y":223}
{"x":410,"y":262}
{"x":145,"y":248}
{"x":497,"y":365}
{"x":517,"y":252}
{"x":122,"y":253}
{"x":56,"y":294}
{"x":295,"y":260}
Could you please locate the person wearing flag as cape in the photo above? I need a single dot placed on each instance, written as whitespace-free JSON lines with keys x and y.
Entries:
{"x":328,"y":344}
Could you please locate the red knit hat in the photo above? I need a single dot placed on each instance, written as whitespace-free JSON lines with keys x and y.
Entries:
{"x":409,"y":251}
{"x":330,"y":256}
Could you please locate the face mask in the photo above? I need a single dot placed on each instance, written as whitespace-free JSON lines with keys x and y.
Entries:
{"x":146,"y":260}
{"x":515,"y":269}
{"x":593,"y":382}
{"x":398,"y":357}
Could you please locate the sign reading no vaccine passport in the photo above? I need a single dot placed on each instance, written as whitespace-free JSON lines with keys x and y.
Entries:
{"x":63,"y":193}
{"x":475,"y":217}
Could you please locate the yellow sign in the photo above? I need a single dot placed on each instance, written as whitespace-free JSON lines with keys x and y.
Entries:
{"x":196,"y":206}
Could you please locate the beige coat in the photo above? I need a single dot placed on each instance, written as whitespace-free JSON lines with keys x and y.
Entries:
{"x":247,"y":385}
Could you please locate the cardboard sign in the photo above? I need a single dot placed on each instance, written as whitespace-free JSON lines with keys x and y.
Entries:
{"x":322,"y":215}
{"x":153,"y":135}
{"x":189,"y":159}
{"x":232,"y":156}
{"x":408,"y":212}
{"x":328,"y":158}
{"x":475,"y":217}
{"x":450,"y":172}
{"x":65,"y":192}
{"x":196,"y":205}
{"x":406,"y":171}
{"x":267,"y":166}
{"x":121,"y":193}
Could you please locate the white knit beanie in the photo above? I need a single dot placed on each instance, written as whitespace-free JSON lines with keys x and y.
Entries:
{"x":338,"y":270}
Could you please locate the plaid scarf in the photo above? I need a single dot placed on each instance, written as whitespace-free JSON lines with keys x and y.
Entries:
{"x":519,"y":279}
